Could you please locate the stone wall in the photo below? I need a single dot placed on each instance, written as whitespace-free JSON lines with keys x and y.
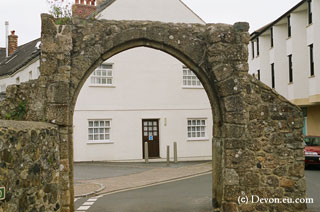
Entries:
{"x":25,"y":101}
{"x":29,"y":166}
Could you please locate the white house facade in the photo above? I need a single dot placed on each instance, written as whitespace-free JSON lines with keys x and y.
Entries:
{"x":140,"y":95}
{"x":146,"y":96}
{"x":285,"y":55}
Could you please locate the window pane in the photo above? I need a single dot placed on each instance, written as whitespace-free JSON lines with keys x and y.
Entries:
{"x":90,"y":123}
{"x":96,"y":123}
{"x":145,"y":133}
{"x":96,"y":137}
{"x":96,"y":130}
{"x":155,"y":133}
{"x":155,"y":123}
{"x":101,"y":123}
{"x":90,"y":130}
{"x":102,"y":137}
{"x":101,"y":130}
{"x":107,"y":123}
{"x":90,"y":137}
{"x":107,"y":136}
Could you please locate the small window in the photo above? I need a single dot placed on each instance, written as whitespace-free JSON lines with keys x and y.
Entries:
{"x":273,"y":83}
{"x":102,"y":75}
{"x":311,"y":60}
{"x":196,"y":128}
{"x":258,"y":50}
{"x":289,"y":26}
{"x":99,"y":130}
{"x":30,"y":75}
{"x":190,"y":79}
{"x":309,"y":12}
{"x":290,"y":69}
{"x":252,"y":49}
{"x":17,"y":80}
{"x":271,"y":36}
{"x":258,"y":74}
{"x":3,"y":88}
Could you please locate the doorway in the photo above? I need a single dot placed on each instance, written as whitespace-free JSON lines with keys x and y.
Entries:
{"x":150,"y":134}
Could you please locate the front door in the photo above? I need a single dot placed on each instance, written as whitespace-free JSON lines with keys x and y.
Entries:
{"x":150,"y":134}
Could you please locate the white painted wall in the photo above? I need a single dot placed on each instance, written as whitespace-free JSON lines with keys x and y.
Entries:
{"x":22,"y":74}
{"x":148,"y":84}
{"x":151,"y":10}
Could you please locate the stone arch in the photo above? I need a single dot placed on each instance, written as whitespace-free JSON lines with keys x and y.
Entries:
{"x":257,"y":135}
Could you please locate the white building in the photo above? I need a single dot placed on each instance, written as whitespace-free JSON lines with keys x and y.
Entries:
{"x":140,"y":95}
{"x":285,"y":55}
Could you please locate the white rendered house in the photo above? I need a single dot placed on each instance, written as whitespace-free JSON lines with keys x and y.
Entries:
{"x":140,"y":95}
{"x":285,"y":55}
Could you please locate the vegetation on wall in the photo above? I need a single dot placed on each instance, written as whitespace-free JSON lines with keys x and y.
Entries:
{"x":19,"y":112}
{"x":60,"y":10}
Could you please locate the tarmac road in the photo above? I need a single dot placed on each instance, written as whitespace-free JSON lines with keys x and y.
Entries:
{"x":188,"y":195}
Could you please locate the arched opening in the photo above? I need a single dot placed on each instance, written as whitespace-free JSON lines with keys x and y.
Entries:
{"x":180,"y":63}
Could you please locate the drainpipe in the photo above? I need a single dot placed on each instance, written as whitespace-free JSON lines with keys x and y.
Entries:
{"x":7,"y":34}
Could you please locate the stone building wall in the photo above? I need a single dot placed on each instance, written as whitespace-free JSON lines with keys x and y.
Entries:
{"x":29,"y":166}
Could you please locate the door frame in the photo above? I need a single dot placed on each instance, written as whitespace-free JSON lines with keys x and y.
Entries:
{"x":142,"y":130}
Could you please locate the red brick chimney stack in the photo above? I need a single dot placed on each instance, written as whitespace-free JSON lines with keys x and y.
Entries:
{"x":12,"y":43}
{"x":82,"y":10}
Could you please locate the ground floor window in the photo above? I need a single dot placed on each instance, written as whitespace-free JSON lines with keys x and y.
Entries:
{"x":99,"y":130}
{"x":196,"y":128}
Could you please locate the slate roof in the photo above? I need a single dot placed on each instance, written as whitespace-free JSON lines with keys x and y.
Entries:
{"x":24,"y":54}
{"x":266,"y":27}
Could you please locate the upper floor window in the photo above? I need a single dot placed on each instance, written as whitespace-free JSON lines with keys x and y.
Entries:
{"x":258,"y":74}
{"x":311,"y":60}
{"x":289,"y":26}
{"x":252,"y":48}
{"x":271,"y":36}
{"x":258,"y":50}
{"x":309,"y":11}
{"x":102,"y":75}
{"x":196,"y":128}
{"x":190,"y":79}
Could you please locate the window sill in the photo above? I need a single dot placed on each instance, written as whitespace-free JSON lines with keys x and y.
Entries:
{"x":100,"y":142}
{"x":313,"y":76}
{"x":197,"y":139}
{"x":192,"y":87}
{"x":102,"y":86}
{"x":290,"y":83}
{"x":309,"y":25}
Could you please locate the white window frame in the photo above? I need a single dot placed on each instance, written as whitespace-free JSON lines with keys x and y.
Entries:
{"x":98,"y":132}
{"x":197,"y":125}
{"x":189,"y":76}
{"x":98,"y":75}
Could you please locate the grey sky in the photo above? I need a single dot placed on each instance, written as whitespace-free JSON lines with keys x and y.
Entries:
{"x":24,"y":15}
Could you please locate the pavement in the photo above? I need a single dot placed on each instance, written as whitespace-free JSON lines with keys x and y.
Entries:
{"x":96,"y":178}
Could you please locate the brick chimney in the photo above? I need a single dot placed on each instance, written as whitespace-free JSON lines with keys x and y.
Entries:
{"x":83,"y":8}
{"x":12,"y":43}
